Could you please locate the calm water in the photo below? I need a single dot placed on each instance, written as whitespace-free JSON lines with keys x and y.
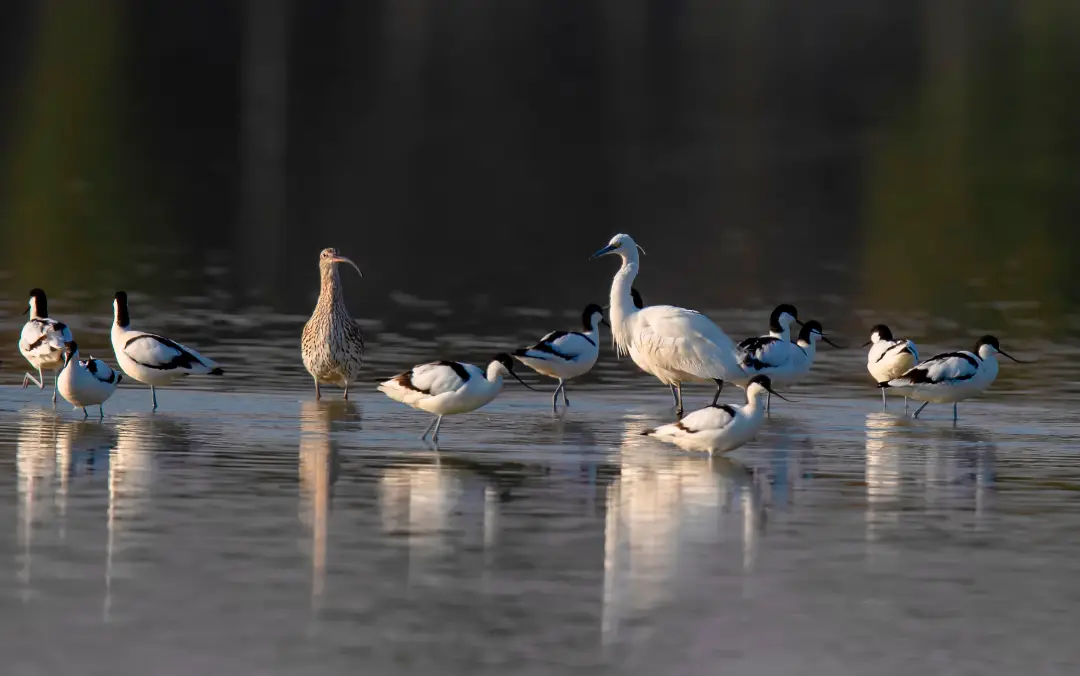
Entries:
{"x":910,"y":163}
{"x":264,"y":533}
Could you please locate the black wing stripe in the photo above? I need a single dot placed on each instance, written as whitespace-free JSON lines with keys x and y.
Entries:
{"x":183,"y":360}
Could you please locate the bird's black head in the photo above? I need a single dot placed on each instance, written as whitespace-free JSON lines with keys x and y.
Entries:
{"x":812,"y":326}
{"x":988,"y":340}
{"x":70,"y":350}
{"x":762,"y":380}
{"x":506,"y":360}
{"x":38,"y":303}
{"x":587,"y":315}
{"x":638,"y":303}
{"x":882,"y":332}
{"x":780,"y":311}
{"x":120,"y":309}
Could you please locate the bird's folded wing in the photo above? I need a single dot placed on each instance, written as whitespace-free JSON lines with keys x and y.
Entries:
{"x":764,"y":352}
{"x":559,"y":346}
{"x":682,"y":339}
{"x":951,"y":366}
{"x":437,"y":378}
{"x":158,"y":352}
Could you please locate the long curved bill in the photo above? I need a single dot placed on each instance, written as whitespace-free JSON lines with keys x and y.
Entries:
{"x":342,"y":259}
{"x":518,"y":378}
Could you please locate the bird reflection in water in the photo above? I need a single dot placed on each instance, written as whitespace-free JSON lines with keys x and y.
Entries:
{"x":885,"y":443}
{"x":82,"y":450}
{"x":35,"y":466}
{"x":318,"y":467}
{"x":141,"y":440}
{"x":661,"y":510}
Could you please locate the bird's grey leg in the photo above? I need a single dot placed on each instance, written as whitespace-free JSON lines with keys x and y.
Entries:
{"x":39,"y":381}
{"x":424,"y":435}
{"x":719,"y":386}
{"x":318,"y":394}
{"x":885,"y":404}
{"x":435,"y":436}
{"x":346,"y":390}
{"x":905,"y":402}
{"x":101,"y":412}
{"x":919,"y":410}
{"x":768,"y":403}
{"x":955,"y":415}
{"x":153,"y":394}
{"x":85,"y":415}
{"x":565,"y":401}
{"x":675,"y":396}
{"x":555,"y":397}
{"x":56,"y":377}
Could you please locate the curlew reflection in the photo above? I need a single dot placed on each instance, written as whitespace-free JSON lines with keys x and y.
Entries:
{"x":661,"y":510}
{"x":318,"y":468}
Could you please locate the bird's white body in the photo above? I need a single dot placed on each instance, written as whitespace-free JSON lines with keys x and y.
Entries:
{"x":155,"y":360}
{"x":717,"y":429}
{"x":673,"y":344}
{"x":43,"y":341}
{"x":563,"y":355}
{"x":950,"y":377}
{"x":152,"y":359}
{"x":786,"y":363}
{"x":890,"y":359}
{"x":566,"y":354}
{"x":88,"y":382}
{"x":447,"y":387}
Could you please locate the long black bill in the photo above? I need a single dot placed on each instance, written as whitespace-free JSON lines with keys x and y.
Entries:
{"x":605,"y":323}
{"x":1018,"y":361}
{"x":777,"y":394}
{"x":827,"y":340}
{"x":867,"y":343}
{"x":518,"y":378}
{"x":27,"y":310}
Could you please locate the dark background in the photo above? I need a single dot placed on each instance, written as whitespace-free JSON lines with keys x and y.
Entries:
{"x":864,"y":154}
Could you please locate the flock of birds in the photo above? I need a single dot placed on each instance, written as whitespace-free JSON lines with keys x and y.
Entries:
{"x":673,"y":344}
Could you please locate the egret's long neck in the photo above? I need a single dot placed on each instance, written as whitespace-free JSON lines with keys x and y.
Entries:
{"x":622,"y":302}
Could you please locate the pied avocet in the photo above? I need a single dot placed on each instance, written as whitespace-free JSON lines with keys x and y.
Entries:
{"x":566,"y":354}
{"x":889,"y":358}
{"x":86,"y":382}
{"x":42,"y":340}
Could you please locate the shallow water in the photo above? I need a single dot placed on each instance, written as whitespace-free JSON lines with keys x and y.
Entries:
{"x":270,"y":534}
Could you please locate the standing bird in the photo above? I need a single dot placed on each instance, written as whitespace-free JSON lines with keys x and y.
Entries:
{"x":152,"y":359}
{"x":332,"y":345}
{"x":723,"y":428}
{"x":760,"y":353}
{"x":42,"y":341}
{"x":951,"y":377}
{"x":786,"y":363}
{"x":566,"y":354}
{"x":88,"y":382}
{"x":449,"y":387}
{"x":780,"y":322}
{"x":673,"y":344}
{"x":889,"y":358}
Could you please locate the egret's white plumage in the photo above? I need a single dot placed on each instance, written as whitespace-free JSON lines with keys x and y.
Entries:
{"x":889,"y":358}
{"x":720,"y":428}
{"x":331,"y":345}
{"x":42,"y":341}
{"x":951,"y":377}
{"x":566,"y":354}
{"x":86,"y":382}
{"x":673,"y":344}
{"x":152,"y":359}
{"x":449,"y":387}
